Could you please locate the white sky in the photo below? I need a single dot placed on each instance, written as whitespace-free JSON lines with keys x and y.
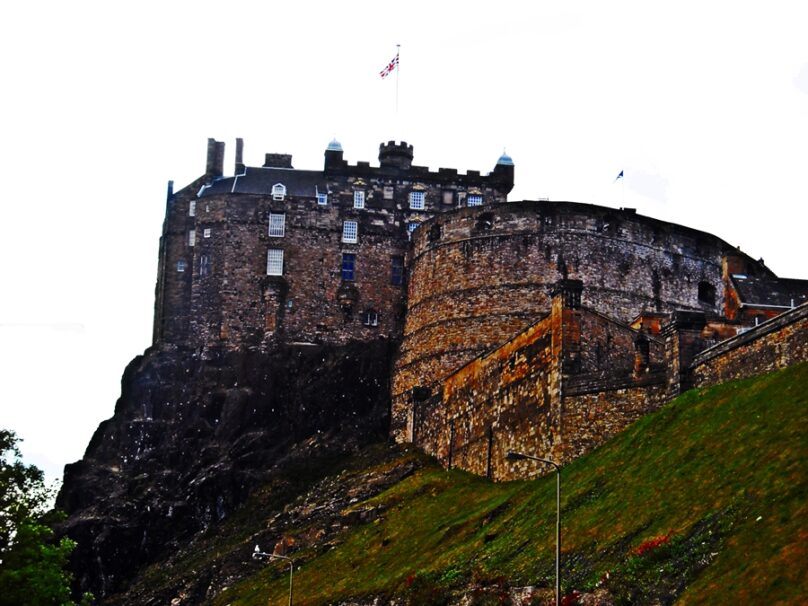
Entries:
{"x":703,"y":104}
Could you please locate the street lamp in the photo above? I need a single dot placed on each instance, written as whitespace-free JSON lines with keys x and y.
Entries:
{"x":518,"y":456}
{"x":260,"y":555}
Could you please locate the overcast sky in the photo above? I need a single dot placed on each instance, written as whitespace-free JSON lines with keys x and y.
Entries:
{"x":704,"y":105}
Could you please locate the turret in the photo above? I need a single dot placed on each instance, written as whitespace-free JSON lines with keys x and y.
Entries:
{"x":333,"y":156}
{"x":395,"y":155}
{"x":502,"y":175}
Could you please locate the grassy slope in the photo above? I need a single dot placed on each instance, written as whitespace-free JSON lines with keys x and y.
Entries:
{"x":722,"y":471}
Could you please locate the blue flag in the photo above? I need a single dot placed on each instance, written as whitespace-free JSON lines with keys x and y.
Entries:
{"x":620,"y":176}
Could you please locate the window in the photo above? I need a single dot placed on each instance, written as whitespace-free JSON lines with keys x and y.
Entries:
{"x":706,"y":293}
{"x":349,"y":232}
{"x":278,"y":191}
{"x":448,"y":197}
{"x":396,"y":270}
{"x":417,"y":200}
{"x":412,"y":226}
{"x":277,"y":225}
{"x":192,"y":238}
{"x":359,"y":198}
{"x":348,"y":266}
{"x":181,"y":265}
{"x":204,"y":265}
{"x":275,"y":262}
{"x":322,"y":199}
{"x":474,"y":200}
{"x":389,"y":192}
{"x":370,"y":318}
{"x":206,"y":233}
{"x":192,"y":208}
{"x":435,"y":233}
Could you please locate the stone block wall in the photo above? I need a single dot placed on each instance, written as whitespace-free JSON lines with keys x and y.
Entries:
{"x":544,"y":392}
{"x":478,"y":273}
{"x":775,"y":344}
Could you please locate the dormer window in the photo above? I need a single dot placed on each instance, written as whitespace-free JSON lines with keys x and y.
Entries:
{"x":359,"y":198}
{"x":417,"y":200}
{"x":278,"y":191}
{"x":474,"y":200}
{"x":322,"y":199}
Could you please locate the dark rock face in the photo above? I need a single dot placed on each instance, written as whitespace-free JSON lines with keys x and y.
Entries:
{"x":192,"y":437}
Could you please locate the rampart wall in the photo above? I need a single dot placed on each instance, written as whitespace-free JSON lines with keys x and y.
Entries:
{"x":478,"y":276}
{"x":537,"y":393}
{"x":777,"y":343}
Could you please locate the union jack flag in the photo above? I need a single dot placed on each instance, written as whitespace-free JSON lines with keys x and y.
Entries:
{"x":388,"y":69}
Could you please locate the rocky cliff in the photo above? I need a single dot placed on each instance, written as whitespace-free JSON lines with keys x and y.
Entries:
{"x":193,"y":435}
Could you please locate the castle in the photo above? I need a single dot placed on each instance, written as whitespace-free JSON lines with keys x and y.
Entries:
{"x":538,"y":326}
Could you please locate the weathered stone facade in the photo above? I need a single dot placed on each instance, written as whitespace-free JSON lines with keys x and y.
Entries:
{"x":486,"y":274}
{"x":329,"y":268}
{"x":539,"y":326}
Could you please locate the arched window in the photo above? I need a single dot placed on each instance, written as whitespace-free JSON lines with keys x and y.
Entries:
{"x":278,"y":191}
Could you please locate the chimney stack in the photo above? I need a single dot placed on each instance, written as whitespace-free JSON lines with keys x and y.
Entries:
{"x":214,"y":167}
{"x":239,"y":169}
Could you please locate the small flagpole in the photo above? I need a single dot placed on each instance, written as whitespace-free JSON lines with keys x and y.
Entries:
{"x":398,"y":72}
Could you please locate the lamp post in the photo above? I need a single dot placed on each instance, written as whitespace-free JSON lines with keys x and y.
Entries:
{"x":519,"y":456}
{"x":260,"y":555}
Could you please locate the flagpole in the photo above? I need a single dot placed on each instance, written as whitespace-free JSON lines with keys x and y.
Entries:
{"x":398,"y":73}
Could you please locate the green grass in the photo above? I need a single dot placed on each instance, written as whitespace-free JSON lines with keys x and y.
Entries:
{"x":722,"y":471}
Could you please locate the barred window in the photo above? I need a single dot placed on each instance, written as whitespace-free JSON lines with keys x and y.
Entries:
{"x":277,"y":225}
{"x":350,"y":231}
{"x":359,"y":199}
{"x":417,"y":200}
{"x":474,"y":201}
{"x":275,"y":262}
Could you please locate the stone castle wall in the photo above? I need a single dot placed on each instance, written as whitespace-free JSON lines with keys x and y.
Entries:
{"x":478,"y":275}
{"x":775,"y":344}
{"x":538,"y":394}
{"x":213,"y":287}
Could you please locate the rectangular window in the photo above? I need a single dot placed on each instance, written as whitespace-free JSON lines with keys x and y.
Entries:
{"x":448,"y":197}
{"x":322,"y":199}
{"x":192,"y":208}
{"x":192,"y":237}
{"x":389,"y":192}
{"x":359,"y":199}
{"x":206,"y":233}
{"x":348,"y":266}
{"x":396,"y":270}
{"x":412,"y":226}
{"x":350,"y":232}
{"x":474,"y":201}
{"x":204,"y":265}
{"x":277,"y":225}
{"x":417,"y":200}
{"x":181,"y":265}
{"x":275,"y":262}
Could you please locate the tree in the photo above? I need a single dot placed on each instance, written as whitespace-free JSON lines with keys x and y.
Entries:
{"x":32,"y":562}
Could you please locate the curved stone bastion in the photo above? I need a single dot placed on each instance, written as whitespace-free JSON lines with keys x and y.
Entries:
{"x":478,"y":276}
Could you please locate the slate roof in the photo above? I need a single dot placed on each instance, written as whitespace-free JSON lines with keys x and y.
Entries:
{"x":260,"y":181}
{"x":783,"y":292}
